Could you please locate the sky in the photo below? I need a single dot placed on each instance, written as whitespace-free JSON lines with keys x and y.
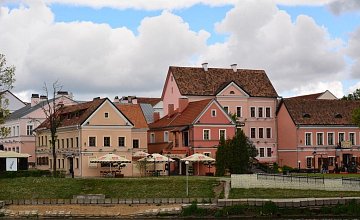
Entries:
{"x":125,"y":47}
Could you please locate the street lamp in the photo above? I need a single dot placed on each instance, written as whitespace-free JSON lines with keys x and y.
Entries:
{"x":299,"y":162}
{"x":314,"y":154}
{"x":168,"y":164}
{"x":187,"y":178}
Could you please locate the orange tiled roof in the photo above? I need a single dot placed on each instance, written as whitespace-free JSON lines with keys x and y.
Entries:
{"x":134,"y":113}
{"x":195,"y":81}
{"x":191,"y":112}
{"x":321,"y":112}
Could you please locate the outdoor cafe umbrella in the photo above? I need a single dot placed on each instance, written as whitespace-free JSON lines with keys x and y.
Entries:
{"x":198,"y":158}
{"x":140,"y":154}
{"x":156,"y":158}
{"x":110,"y":158}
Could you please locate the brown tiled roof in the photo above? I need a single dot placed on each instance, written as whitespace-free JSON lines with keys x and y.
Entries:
{"x":310,"y":96}
{"x":79,"y":113}
{"x":151,"y":101}
{"x":195,"y":81}
{"x":134,"y":113}
{"x":320,"y":111}
{"x":191,"y":112}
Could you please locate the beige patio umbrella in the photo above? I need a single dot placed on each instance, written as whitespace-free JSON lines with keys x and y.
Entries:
{"x":156,"y":158}
{"x":110,"y":158}
{"x":140,"y":154}
{"x":198,"y":158}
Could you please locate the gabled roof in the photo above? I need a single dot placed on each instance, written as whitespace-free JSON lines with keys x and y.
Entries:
{"x":78,"y":113}
{"x":320,"y":95}
{"x":134,"y":113}
{"x":8,"y":91}
{"x":28,"y":109}
{"x":321,"y":111}
{"x":184,"y":118}
{"x":146,"y":100}
{"x":196,"y":81}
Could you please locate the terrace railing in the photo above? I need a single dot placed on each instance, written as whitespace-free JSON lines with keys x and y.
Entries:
{"x":291,"y":178}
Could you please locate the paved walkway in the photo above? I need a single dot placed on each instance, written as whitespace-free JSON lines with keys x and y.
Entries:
{"x":227,"y":186}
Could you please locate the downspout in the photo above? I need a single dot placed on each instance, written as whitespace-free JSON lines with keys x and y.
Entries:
{"x":80,"y":146}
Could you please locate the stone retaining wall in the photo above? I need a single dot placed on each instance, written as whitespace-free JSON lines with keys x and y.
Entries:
{"x":108,"y":201}
{"x":251,"y":181}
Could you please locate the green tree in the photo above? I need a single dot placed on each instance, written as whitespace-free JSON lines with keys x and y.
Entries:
{"x":353,"y":96}
{"x":7,"y":79}
{"x":221,"y":157}
{"x":356,"y":117}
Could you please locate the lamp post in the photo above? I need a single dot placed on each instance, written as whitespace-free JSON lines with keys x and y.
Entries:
{"x":187,"y":177}
{"x":314,"y":154}
{"x":168,"y":163}
{"x":299,"y":163}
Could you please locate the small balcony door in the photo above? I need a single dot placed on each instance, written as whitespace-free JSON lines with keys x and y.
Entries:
{"x":186,"y":138}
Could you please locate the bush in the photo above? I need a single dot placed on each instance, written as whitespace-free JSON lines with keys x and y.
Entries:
{"x":269,"y":208}
{"x":194,"y":210}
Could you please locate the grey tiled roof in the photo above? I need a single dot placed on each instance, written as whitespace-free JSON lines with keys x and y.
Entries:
{"x":148,"y":111}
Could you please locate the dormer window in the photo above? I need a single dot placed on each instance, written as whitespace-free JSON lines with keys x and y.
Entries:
{"x":232,"y":92}
{"x":306,"y":115}
{"x":338,"y":115}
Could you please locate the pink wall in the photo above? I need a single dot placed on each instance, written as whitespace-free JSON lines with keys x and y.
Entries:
{"x":171,"y":93}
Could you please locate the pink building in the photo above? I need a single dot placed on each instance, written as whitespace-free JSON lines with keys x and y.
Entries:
{"x":316,"y":131}
{"x":195,"y":127}
{"x":248,"y":94}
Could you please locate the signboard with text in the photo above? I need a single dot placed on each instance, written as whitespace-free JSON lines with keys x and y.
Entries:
{"x":11,"y":164}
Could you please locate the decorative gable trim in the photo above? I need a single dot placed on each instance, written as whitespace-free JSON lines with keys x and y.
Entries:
{"x":221,"y":111}
{"x":130,"y":124}
{"x":232,"y":83}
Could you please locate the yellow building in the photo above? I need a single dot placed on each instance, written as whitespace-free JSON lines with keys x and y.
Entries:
{"x":90,"y":130}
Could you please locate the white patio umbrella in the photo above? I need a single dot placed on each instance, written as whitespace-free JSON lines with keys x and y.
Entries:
{"x":198,"y":158}
{"x":156,"y":158}
{"x":110,"y":158}
{"x":140,"y":154}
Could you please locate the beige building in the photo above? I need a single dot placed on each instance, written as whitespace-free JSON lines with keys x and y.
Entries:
{"x":90,"y":130}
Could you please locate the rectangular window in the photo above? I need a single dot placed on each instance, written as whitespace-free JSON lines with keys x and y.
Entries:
{"x":63,"y":163}
{"x":252,"y":112}
{"x":58,"y":143}
{"x":76,"y":163}
{"x":72,"y":142}
{"x":58,"y":164}
{"x":166,"y":136}
{"x":39,"y":143}
{"x":341,"y":137}
{"x":92,"y":141}
{"x":29,"y":130}
{"x":309,"y":162}
{"x":252,"y":133}
{"x":106,"y":115}
{"x":268,"y":132}
{"x":106,"y":141}
{"x":226,"y":109}
{"x":77,"y":142}
{"x":121,"y":141}
{"x":222,"y":133}
{"x":46,"y":140}
{"x":238,"y":111}
{"x":260,"y":112}
{"x":320,"y":139}
{"x":213,"y":112}
{"x":17,"y":130}
{"x":268,"y":112}
{"x":269,"y":151}
{"x":42,"y":140}
{"x":67,"y":143}
{"x":62,"y":143}
{"x":262,"y":152}
{"x":17,"y":149}
{"x":206,"y":134}
{"x":308,"y":139}
{"x":152,"y":138}
{"x":330,"y":138}
{"x":261,"y":132}
{"x":352,"y":138}
{"x":136,"y":143}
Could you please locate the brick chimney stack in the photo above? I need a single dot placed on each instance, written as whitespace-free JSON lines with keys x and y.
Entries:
{"x":156,"y":116}
{"x":171,"y":109}
{"x":183,"y":103}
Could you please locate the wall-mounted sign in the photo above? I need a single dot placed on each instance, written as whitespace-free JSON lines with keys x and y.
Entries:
{"x":11,"y":164}
{"x":346,"y":144}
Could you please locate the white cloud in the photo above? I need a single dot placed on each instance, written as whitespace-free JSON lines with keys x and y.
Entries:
{"x":95,"y":59}
{"x":294,"y":54}
{"x":343,"y":6}
{"x":335,"y":87}
{"x":353,"y":51}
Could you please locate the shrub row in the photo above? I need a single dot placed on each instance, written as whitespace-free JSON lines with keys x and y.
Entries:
{"x":30,"y":173}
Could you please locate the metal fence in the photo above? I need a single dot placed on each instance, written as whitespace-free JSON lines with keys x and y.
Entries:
{"x":350,"y":181}
{"x":290,"y":178}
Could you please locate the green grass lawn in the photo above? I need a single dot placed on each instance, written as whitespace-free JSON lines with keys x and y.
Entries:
{"x":152,"y":187}
{"x":287,"y":193}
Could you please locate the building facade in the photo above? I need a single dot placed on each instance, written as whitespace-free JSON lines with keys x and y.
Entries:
{"x":318,"y":133}
{"x":248,"y":94}
{"x":90,"y":130}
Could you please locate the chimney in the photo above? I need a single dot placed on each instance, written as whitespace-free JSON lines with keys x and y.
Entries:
{"x":234,"y":67}
{"x":156,"y":116}
{"x":43,"y":97}
{"x":170,"y":109}
{"x":65,"y":94}
{"x":205,"y":66}
{"x":116,"y":99}
{"x":34,"y":99}
{"x":183,"y":103}
{"x":96,"y":98}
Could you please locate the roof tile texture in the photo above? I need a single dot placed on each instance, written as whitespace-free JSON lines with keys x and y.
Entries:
{"x":134,"y":113}
{"x":322,"y":112}
{"x":196,"y":81}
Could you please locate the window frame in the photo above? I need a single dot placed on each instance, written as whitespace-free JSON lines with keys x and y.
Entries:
{"x":305,"y":141}
{"x":261,"y":134}
{"x":138,"y":141}
{"x":262,"y":112}
{"x":237,"y":111}
{"x":89,"y":144}
{"x":106,"y":115}
{"x":252,"y":108}
{"x":343,"y":133}
{"x":262,"y":150}
{"x":29,"y":132}
{"x":226,"y":109}
{"x":251,"y":133}
{"x":209,"y":135}
{"x":213,"y":113}
{"x":332,"y":139}
{"x":267,"y":152}
{"x":266,"y":115}
{"x":220,"y":130}
{"x":321,"y":143}
{"x":152,"y":138}
{"x":106,"y":137}
{"x":166,"y":136}
{"x":268,"y":136}
{"x":353,"y":142}
{"x":119,"y":141}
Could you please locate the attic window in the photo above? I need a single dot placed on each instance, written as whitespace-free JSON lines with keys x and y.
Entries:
{"x":232,"y":92}
{"x":106,"y":115}
{"x":306,"y":115}
{"x":338,"y":115}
